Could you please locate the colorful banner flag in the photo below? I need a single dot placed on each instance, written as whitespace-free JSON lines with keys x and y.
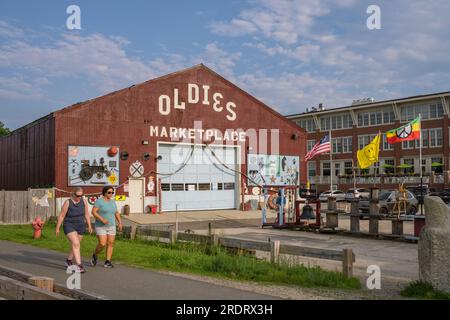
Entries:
{"x":410,"y":131}
{"x":369,"y":154}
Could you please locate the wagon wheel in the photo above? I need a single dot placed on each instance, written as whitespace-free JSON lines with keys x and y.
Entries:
{"x":86,"y":174}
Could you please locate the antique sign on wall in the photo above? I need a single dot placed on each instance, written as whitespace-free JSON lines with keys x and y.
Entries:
{"x":93,"y":166}
{"x":273,"y":170}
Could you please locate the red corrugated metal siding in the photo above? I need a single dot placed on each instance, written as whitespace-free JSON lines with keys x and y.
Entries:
{"x":27,"y":156}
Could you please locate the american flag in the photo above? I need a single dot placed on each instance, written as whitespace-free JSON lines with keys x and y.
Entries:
{"x":320,"y":147}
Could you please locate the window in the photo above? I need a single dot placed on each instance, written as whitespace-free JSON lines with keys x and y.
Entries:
{"x":177,"y":187}
{"x":409,"y":162}
{"x":388,"y":117}
{"x":337,"y":145}
{"x":427,"y":111}
{"x":347,"y":121}
{"x":408,"y":145}
{"x":387,"y":146}
{"x":347,"y":145}
{"x":325,"y":124}
{"x":389,"y":166}
{"x":425,"y":139}
{"x":348,"y":167}
{"x":437,"y":165}
{"x":337,"y":168}
{"x":312,"y":169}
{"x":375,"y":118}
{"x":311,"y":144}
{"x":308,"y":124}
{"x":204,"y":186}
{"x":326,"y":172}
{"x":435,"y":137}
{"x":229,"y":186}
{"x":365,"y":140}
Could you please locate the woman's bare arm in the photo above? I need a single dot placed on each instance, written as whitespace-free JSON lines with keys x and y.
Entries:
{"x":62,"y":215}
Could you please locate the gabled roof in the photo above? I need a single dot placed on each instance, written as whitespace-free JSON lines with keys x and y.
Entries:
{"x":173,"y":74}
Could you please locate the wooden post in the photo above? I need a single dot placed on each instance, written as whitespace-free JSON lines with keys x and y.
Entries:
{"x":2,"y":205}
{"x":214,"y":240}
{"x":274,"y":251}
{"x":172,"y":237}
{"x":354,"y":222}
{"x":397,"y":227}
{"x":373,"y":224}
{"x":332,"y":220}
{"x":133,"y":232}
{"x":331,"y":203}
{"x":209,"y":229}
{"x":347,"y":262}
{"x":42,"y":283}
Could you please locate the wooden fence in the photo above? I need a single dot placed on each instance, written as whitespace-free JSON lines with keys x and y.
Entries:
{"x":346,"y":256}
{"x":21,"y":207}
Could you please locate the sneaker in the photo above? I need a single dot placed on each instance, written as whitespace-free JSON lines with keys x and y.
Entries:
{"x":69,"y":263}
{"x":81,"y":269}
{"x":94,"y":260}
{"x":108,"y":264}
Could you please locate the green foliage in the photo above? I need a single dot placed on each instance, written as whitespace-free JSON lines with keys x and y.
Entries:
{"x":423,"y":290}
{"x":3,"y":130}
{"x":190,"y":258}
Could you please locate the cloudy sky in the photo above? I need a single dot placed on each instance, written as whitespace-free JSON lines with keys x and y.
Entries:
{"x":292,"y":54}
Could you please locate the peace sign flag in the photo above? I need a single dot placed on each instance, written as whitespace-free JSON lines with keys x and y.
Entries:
{"x":369,"y":154}
{"x":410,"y":131}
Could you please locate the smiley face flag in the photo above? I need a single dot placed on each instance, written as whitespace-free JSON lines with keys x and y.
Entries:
{"x":369,"y":154}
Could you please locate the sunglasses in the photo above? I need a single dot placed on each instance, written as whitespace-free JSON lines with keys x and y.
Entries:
{"x":110,"y":192}
{"x":78,"y":195}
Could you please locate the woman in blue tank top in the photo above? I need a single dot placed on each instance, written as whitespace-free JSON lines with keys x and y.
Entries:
{"x":74,"y":216}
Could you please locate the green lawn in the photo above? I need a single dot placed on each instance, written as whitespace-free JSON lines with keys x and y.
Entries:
{"x":190,"y":258}
{"x":421,"y":290}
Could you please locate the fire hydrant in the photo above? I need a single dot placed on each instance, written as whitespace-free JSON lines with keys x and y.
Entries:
{"x":37,"y":226}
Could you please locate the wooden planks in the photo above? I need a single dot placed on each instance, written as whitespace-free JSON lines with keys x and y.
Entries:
{"x":311,"y":252}
{"x":21,"y":207}
{"x":17,"y":290}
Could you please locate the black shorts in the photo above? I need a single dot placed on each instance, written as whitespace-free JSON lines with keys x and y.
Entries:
{"x":79,"y":227}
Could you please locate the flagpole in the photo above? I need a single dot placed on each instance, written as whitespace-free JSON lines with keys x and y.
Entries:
{"x":331,"y":163}
{"x":420,"y":145}
{"x":420,"y":160}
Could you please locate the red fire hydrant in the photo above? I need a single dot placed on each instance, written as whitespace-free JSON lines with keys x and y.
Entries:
{"x":37,"y":226}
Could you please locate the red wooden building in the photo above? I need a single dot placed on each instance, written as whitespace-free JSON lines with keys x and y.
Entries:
{"x":209,"y":144}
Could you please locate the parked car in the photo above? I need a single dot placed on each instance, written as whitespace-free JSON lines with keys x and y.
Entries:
{"x":443,"y":194}
{"x":420,"y":192}
{"x":338,"y":194}
{"x":357,"y":193}
{"x":387,"y":201}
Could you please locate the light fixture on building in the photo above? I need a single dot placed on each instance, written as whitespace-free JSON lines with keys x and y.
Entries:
{"x":158,"y":158}
{"x":145,"y":142}
{"x":294,"y":136}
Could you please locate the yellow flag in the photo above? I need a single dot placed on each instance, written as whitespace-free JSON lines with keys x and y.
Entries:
{"x":369,"y":154}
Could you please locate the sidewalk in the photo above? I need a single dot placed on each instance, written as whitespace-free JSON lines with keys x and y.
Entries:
{"x":122,"y":282}
{"x":197,"y":216}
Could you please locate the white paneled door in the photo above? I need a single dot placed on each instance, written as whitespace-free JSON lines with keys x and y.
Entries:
{"x":196,"y":178}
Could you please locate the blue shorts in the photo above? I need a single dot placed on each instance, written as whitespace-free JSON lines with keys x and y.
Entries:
{"x":79,"y":227}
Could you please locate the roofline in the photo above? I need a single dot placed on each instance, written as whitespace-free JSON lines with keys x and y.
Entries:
{"x":370,"y":105}
{"x":31,"y":124}
{"x":201,"y":65}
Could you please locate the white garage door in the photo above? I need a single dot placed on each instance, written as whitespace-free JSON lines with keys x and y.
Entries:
{"x":194,"y":179}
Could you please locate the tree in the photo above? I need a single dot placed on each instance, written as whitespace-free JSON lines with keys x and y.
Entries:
{"x":3,"y":130}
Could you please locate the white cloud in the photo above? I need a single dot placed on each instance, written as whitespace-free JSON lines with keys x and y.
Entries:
{"x":101,"y":61}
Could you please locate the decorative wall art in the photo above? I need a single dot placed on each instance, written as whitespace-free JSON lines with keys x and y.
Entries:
{"x":93,"y":166}
{"x":273,"y":170}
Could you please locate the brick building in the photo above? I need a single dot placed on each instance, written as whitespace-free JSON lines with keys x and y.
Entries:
{"x":353,"y":127}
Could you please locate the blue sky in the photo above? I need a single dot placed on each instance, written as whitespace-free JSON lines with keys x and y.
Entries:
{"x":292,"y":54}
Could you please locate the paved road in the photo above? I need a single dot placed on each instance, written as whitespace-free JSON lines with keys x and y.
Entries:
{"x":398,"y":260}
{"x":121,"y":282}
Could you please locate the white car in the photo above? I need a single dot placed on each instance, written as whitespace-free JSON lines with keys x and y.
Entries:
{"x":339,"y":195}
{"x":358,"y":193}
